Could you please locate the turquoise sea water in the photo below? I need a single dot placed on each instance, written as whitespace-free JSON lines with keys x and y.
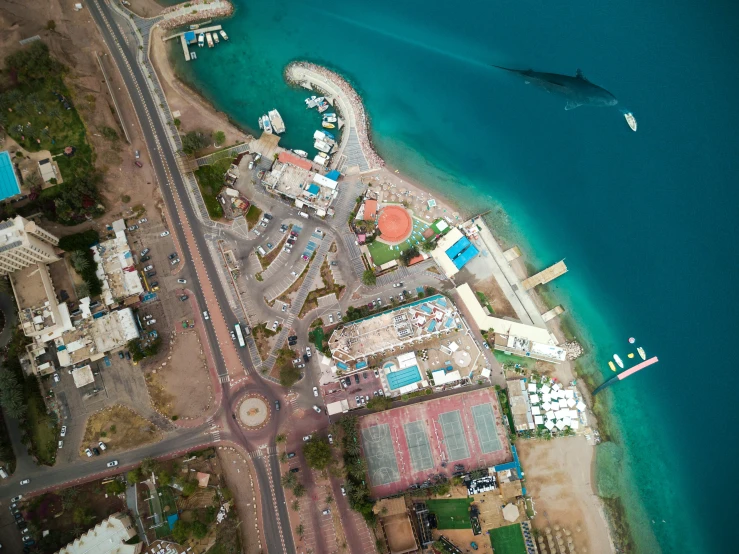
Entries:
{"x":647,"y":220}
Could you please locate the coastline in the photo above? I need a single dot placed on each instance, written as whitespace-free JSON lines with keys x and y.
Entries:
{"x":605,"y":506}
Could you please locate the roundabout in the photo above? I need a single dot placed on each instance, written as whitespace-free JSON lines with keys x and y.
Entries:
{"x":253,"y":411}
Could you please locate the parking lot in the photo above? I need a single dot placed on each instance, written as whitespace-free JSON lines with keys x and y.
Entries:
{"x":363,"y":384}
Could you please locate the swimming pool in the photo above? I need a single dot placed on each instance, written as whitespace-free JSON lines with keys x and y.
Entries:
{"x":403,"y":377}
{"x":8,"y":181}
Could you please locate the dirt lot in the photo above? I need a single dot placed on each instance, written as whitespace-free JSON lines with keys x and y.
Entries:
{"x":237,"y":474}
{"x":144,"y":8}
{"x":558,"y":477}
{"x":182,"y":386}
{"x":120,"y":428}
{"x":494,"y":294}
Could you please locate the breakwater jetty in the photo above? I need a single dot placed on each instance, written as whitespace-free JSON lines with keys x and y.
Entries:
{"x":195,"y":10}
{"x":356,"y":153}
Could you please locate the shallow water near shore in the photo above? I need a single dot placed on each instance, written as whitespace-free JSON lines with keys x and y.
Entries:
{"x":643,"y":219}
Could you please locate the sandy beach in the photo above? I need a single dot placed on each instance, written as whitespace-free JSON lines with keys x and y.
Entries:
{"x":559,"y":478}
{"x":558,"y":472}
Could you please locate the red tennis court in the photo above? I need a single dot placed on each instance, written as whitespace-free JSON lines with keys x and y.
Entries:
{"x":395,"y":224}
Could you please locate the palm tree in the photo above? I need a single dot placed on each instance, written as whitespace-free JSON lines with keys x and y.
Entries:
{"x":33,"y":180}
{"x":79,"y":260}
{"x":54,"y":112}
{"x":280,"y":438}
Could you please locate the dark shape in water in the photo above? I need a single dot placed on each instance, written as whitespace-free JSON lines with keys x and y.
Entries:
{"x":578,"y":90}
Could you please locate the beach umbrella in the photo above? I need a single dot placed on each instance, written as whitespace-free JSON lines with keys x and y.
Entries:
{"x":556,"y":527}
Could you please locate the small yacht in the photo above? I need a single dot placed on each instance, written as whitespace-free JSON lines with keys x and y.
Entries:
{"x":266,"y":125}
{"x":223,"y":34}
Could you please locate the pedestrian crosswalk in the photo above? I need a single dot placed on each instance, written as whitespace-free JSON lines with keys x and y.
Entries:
{"x":214,"y":429}
{"x":224,"y":378}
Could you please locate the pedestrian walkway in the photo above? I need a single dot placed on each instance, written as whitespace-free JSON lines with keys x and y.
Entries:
{"x":227,"y":153}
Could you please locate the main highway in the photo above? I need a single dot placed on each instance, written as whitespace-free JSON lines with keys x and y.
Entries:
{"x":230,"y":362}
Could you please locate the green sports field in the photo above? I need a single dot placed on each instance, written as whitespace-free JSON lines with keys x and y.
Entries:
{"x":508,"y":540}
{"x":453,"y":513}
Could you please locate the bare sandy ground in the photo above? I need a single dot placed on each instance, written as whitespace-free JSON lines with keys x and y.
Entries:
{"x":195,"y":112}
{"x":559,"y":478}
{"x":144,"y":8}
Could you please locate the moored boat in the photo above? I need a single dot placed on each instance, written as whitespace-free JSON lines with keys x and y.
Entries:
{"x":310,"y":102}
{"x":266,"y":125}
{"x":326,"y":115}
{"x":301,"y":153}
{"x":223,"y":34}
{"x":642,"y":354}
{"x":209,"y":38}
{"x":215,"y":38}
{"x":329,"y":119}
{"x":201,"y":40}
{"x":329,"y":136}
{"x":327,"y":125}
{"x":322,"y":146}
{"x":619,"y":361}
{"x":193,"y":56}
{"x":611,"y":365}
{"x":278,"y":126}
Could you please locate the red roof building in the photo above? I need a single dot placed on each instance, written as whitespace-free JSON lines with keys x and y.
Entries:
{"x":287,"y":158}
{"x":370,"y":210}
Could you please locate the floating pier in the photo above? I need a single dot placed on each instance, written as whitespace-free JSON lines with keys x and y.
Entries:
{"x":551,"y":314}
{"x":549,"y":274}
{"x":191,"y":37}
{"x":628,"y":373}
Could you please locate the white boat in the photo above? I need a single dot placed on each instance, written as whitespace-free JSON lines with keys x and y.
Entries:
{"x":310,"y":102}
{"x":320,"y":161}
{"x":266,"y":125}
{"x":328,"y":119}
{"x":223,"y":34}
{"x":619,"y":361}
{"x":322,"y":107}
{"x":324,"y":136}
{"x":215,"y":38}
{"x":322,"y":146}
{"x":642,"y":354}
{"x":261,"y":125}
{"x":278,"y":126}
{"x":631,"y":120}
{"x":327,"y":125}
{"x":209,"y":38}
{"x":201,"y":40}
{"x":193,"y":55}
{"x":328,"y":115}
{"x":301,"y":153}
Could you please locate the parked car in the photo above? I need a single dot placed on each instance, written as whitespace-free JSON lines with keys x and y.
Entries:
{"x":284,"y":307}
{"x":172,"y":256}
{"x":326,"y":512}
{"x":88,"y":452}
{"x":316,"y":409}
{"x":300,"y":366}
{"x":95,"y":451}
{"x":330,"y":318}
{"x":397,"y":285}
{"x":25,"y":481}
{"x":102,"y":446}
{"x":145,"y":251}
{"x":315,"y":391}
{"x":206,"y":315}
{"x":305,"y":358}
{"x":151,"y":322}
{"x":184,"y":297}
{"x":145,"y":259}
{"x":56,"y":377}
{"x":164,"y":234}
{"x":486,"y":345}
{"x":257,"y":233}
{"x":151,"y":274}
{"x":149,"y":267}
{"x":294,"y":470}
{"x":16,"y":498}
{"x":274,"y":326}
{"x":175,"y":261}
{"x":143,"y":220}
{"x":137,"y":154}
{"x":356,"y":379}
{"x":251,"y":165}
{"x":138,"y":163}
{"x":182,"y":281}
{"x":61,"y":445}
{"x":63,"y":432}
{"x":267,"y":216}
{"x":306,"y":438}
{"x":277,"y":405}
{"x":330,"y":438}
{"x":290,"y":455}
{"x":112,"y":464}
{"x":377,"y":373}
{"x":343,"y":491}
{"x":128,"y":355}
{"x":133,"y":227}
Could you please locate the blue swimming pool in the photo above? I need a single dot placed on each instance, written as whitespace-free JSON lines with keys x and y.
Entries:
{"x":9,"y":185}
{"x":403,"y":377}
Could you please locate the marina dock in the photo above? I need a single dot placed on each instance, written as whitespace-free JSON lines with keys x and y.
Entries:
{"x":184,"y":39}
{"x":549,"y":274}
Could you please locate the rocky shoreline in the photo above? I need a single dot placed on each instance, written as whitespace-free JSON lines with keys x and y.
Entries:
{"x":208,"y":11}
{"x":361,"y":119}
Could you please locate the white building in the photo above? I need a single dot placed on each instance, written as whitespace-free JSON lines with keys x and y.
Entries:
{"x":23,"y":243}
{"x":107,"y":537}
{"x":116,"y":268}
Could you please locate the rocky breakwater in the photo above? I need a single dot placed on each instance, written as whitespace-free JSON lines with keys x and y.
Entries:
{"x":298,"y":72}
{"x":196,"y":10}
{"x":574,"y":350}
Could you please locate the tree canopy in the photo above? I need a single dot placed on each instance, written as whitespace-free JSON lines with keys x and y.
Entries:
{"x":33,"y":62}
{"x":317,"y":452}
{"x":369,"y":278}
{"x":193,"y":141}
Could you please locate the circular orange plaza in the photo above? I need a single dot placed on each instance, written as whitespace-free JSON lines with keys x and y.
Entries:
{"x":395,"y":224}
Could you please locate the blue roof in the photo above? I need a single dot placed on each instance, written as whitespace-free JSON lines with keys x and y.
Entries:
{"x":361,"y":365}
{"x":333,"y":175}
{"x":190,"y":36}
{"x":8,"y":180}
{"x":465,"y":257}
{"x":454,"y":250}
{"x":313,"y":189}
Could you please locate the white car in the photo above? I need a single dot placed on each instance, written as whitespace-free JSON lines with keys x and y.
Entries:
{"x":164,"y":234}
{"x":56,"y":377}
{"x":25,"y":481}
{"x":343,"y":491}
{"x":274,"y":326}
{"x":396,"y":285}
{"x":61,"y":445}
{"x":326,"y":512}
{"x":307,"y":351}
{"x":330,"y":438}
{"x":143,"y":220}
{"x":112,"y":464}
{"x":64,"y":431}
{"x":17,"y":498}
{"x":182,"y":281}
{"x":315,"y":391}
{"x":251,"y":165}
{"x":316,"y":409}
{"x":257,"y":233}
{"x":330,"y":318}
{"x":88,"y":452}
{"x":206,"y":315}
{"x":149,"y":267}
{"x":306,"y":438}
{"x":102,"y":446}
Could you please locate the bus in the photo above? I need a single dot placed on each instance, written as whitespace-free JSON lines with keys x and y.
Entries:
{"x":239,"y":335}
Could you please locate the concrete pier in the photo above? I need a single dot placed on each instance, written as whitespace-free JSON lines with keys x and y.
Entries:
{"x":554,"y":312}
{"x":549,"y":274}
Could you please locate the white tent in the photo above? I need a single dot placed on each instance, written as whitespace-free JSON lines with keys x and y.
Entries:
{"x":581,"y":406}
{"x":575,"y":424}
{"x":535,"y":410}
{"x":555,"y":405}
{"x":534,"y":398}
{"x":549,"y":414}
{"x":510,"y":512}
{"x":569,"y":393}
{"x":546,"y":389}
{"x":546,"y":406}
{"x":566,"y":422}
{"x":549,"y":425}
{"x":571,"y":402}
{"x":539,"y":420}
{"x":546,"y":397}
{"x":532,"y":387}
{"x":555,"y":388}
